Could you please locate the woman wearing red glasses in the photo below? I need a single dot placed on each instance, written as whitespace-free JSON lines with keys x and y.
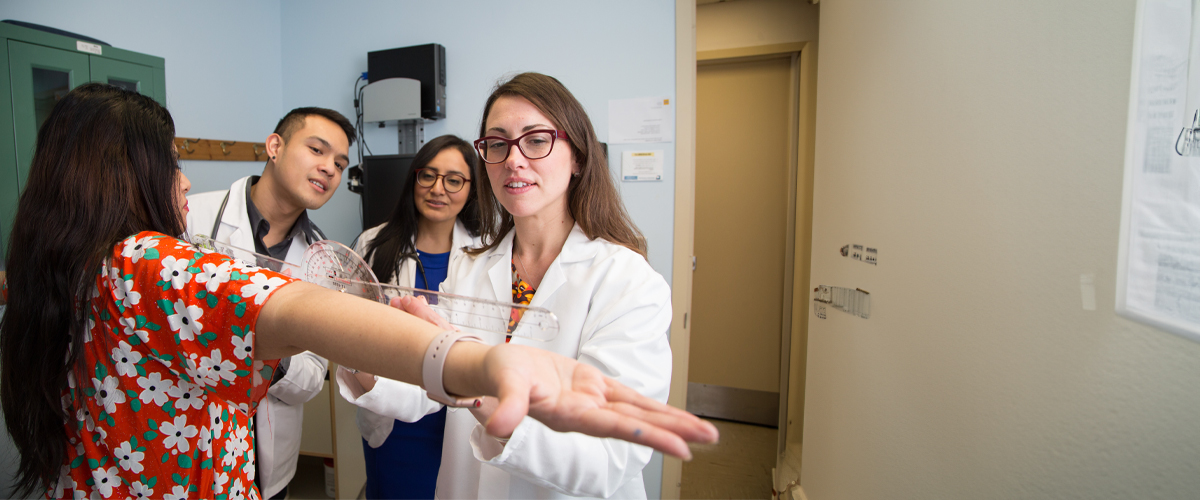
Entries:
{"x":555,"y":235}
{"x":435,"y":220}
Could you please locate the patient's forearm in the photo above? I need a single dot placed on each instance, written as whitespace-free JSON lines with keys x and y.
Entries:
{"x":366,"y":335}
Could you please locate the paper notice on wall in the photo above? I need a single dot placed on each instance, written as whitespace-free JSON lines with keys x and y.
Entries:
{"x":1158,"y":276}
{"x":641,"y":120}
{"x":641,"y":166}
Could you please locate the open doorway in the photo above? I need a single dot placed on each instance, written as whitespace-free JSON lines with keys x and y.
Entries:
{"x":753,"y":208}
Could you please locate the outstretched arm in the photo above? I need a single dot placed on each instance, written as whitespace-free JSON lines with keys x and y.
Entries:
{"x":560,"y":392}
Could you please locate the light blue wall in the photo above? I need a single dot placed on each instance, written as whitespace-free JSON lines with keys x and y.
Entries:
{"x":222,"y":70}
{"x":599,"y":50}
{"x":222,"y":64}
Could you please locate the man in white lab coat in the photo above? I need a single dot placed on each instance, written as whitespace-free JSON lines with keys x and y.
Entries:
{"x":268,"y":214}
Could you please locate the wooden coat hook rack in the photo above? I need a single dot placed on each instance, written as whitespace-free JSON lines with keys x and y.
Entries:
{"x":218,"y":150}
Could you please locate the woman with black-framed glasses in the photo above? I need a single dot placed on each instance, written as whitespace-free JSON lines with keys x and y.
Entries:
{"x":435,"y":219}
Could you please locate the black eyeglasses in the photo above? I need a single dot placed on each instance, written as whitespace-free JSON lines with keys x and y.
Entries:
{"x":452,"y":182}
{"x":535,"y":144}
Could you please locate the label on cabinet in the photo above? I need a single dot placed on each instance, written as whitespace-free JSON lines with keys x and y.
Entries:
{"x":91,"y":48}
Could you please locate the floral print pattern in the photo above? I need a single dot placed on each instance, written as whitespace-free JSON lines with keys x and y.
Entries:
{"x":522,"y":293}
{"x":164,"y":408}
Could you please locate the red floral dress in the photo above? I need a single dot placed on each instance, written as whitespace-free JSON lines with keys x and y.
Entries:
{"x":163,"y":409}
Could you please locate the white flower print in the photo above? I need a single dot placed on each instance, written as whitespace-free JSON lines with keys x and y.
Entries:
{"x":185,"y":321}
{"x":154,"y":389}
{"x":245,"y":267}
{"x":105,"y":480}
{"x":193,"y":371}
{"x":140,"y":490}
{"x":205,"y":441}
{"x":260,"y":287}
{"x":237,"y":491}
{"x":219,"y":482}
{"x":126,"y":359}
{"x":231,"y":455}
{"x":187,"y":395}
{"x":177,"y":493}
{"x":103,"y":433}
{"x":130,"y":325}
{"x":214,"y":368}
{"x":129,"y":458}
{"x":214,"y":420}
{"x":243,"y":346}
{"x":64,"y":482}
{"x":178,"y":433}
{"x":248,"y":469}
{"x":212,"y":275}
{"x":175,"y":272}
{"x":131,"y":297}
{"x":107,"y":393}
{"x":85,"y":415}
{"x":239,"y":436}
{"x":136,"y":248}
{"x":257,"y":370}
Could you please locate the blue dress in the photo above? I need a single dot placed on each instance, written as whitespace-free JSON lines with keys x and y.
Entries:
{"x":406,"y":464}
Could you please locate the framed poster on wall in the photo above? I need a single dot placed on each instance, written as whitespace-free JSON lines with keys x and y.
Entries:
{"x":1158,"y":269}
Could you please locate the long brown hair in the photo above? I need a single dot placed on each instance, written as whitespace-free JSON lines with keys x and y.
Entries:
{"x":104,"y":169}
{"x":592,"y":198}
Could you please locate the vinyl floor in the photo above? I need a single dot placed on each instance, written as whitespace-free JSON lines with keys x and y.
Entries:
{"x":739,"y":466}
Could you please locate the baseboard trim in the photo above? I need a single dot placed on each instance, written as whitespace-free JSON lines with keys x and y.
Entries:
{"x":731,"y":403}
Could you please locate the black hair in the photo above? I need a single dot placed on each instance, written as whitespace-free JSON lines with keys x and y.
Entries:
{"x":395,"y":240}
{"x":295,"y":120}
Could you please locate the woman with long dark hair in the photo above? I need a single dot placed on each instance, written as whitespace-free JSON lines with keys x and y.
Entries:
{"x":130,"y":361}
{"x":555,"y":235}
{"x":435,"y":220}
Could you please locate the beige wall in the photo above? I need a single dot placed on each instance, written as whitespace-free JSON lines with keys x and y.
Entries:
{"x":748,"y":23}
{"x":979,"y":146}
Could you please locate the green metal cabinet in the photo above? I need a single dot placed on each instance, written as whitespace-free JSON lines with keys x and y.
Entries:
{"x":41,"y":68}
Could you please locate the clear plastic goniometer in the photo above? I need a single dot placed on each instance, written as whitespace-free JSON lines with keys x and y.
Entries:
{"x":479,"y":315}
{"x":337,"y":267}
{"x":206,"y":244}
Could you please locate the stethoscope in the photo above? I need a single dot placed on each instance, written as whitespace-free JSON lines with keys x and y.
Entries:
{"x":420,"y":267}
{"x":313,"y":234}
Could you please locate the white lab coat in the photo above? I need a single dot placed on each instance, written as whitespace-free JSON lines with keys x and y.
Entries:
{"x":374,"y":427}
{"x":614,"y":312}
{"x":281,"y":419}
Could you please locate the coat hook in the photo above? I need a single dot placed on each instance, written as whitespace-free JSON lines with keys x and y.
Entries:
{"x":258,"y":152}
{"x":223,"y":144}
{"x":186,"y":142}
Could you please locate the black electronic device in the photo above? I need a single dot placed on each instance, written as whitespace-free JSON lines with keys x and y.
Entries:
{"x":424,"y":63}
{"x":382,"y":180}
